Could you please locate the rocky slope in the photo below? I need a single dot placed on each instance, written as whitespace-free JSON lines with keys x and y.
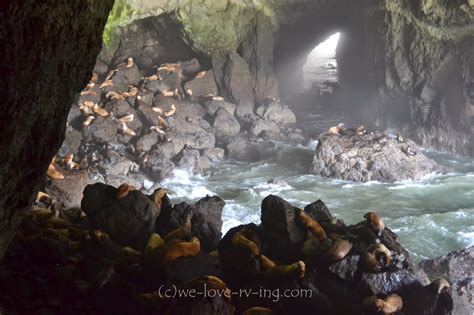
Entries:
{"x":129,"y":251}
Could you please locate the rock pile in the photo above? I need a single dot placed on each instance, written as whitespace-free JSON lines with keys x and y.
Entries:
{"x":360,"y":155}
{"x":132,"y":124}
{"x":301,"y":261}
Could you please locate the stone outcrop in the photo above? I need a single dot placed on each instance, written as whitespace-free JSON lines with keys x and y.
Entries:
{"x":321,"y":261}
{"x":50,"y":44}
{"x":457,"y":268}
{"x":371,"y":156}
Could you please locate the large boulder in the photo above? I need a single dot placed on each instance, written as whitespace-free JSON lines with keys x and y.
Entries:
{"x":277,"y":112}
{"x":225,"y":124}
{"x":242,"y":149}
{"x":202,"y":86}
{"x":129,"y":221}
{"x":68,"y":191}
{"x":370,"y":157}
{"x":279,"y":229}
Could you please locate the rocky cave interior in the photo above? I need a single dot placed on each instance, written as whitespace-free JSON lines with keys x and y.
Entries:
{"x":401,"y":65}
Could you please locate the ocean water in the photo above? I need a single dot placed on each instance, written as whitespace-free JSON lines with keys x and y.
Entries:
{"x":432,"y":216}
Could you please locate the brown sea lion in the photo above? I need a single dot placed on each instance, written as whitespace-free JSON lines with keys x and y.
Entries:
{"x":258,"y":311}
{"x":183,"y":232}
{"x":176,"y":249}
{"x":389,"y":305}
{"x":296,"y":270}
{"x":377,"y":257}
{"x":339,"y":250}
{"x":123,"y":190}
{"x":312,"y":225}
{"x":439,"y":284}
{"x":375,"y":222}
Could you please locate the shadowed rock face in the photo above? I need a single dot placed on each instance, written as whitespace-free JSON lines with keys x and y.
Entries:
{"x":49,"y":52}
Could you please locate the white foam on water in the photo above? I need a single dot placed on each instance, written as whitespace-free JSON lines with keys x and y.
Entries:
{"x":466,"y":237}
{"x":183,"y":184}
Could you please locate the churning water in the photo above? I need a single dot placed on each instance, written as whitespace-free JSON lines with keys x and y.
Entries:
{"x":431,"y":216}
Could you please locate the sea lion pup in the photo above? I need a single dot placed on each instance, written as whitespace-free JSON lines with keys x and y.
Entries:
{"x":339,"y":250}
{"x":123,"y":190}
{"x":375,"y":222}
{"x":176,"y":249}
{"x":389,"y":305}
{"x":439,"y":285}
{"x":377,"y":257}
{"x":158,"y":195}
{"x":335,"y":130}
{"x":312,"y":225}
{"x":183,"y":232}
{"x":399,"y":138}
{"x":257,"y":310}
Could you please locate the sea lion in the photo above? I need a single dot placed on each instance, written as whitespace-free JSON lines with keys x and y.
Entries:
{"x":157,"y":110}
{"x":312,"y":225}
{"x":44,"y":198}
{"x":200,"y":75}
{"x":258,"y":311}
{"x":154,"y":242}
{"x":129,"y":63}
{"x":99,"y":111}
{"x":177,"y":249}
{"x":114,"y":96}
{"x":106,"y":83}
{"x":127,"y":130}
{"x":377,"y":257}
{"x":88,"y":121}
{"x":158,"y":195}
{"x":339,"y":250}
{"x":163,"y":122}
{"x":408,"y":151}
{"x":365,"y":233}
{"x":183,"y":232}
{"x":171,"y":112}
{"x":241,"y":241}
{"x":375,"y":222}
{"x":389,"y":305}
{"x":334,"y":130}
{"x":439,"y":284}
{"x":297,"y":270}
{"x":266,"y":262}
{"x":69,"y":162}
{"x":53,"y":172}
{"x":158,"y":129}
{"x":127,"y":118}
{"x":361,"y":130}
{"x":123,"y":190}
{"x":110,"y":75}
{"x":399,"y":138}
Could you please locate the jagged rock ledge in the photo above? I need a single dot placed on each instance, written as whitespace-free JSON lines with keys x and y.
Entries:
{"x":126,"y":248}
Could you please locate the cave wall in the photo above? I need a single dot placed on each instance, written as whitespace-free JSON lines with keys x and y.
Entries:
{"x":49,"y":50}
{"x":429,"y":61}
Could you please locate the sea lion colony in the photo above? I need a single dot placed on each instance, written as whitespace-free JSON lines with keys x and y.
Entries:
{"x":63,"y":264}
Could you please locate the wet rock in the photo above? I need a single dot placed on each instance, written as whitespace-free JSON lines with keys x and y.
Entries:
{"x":158,"y":166}
{"x":185,"y":270}
{"x":129,"y":221}
{"x":68,"y":191}
{"x":71,"y":143}
{"x":122,"y":79}
{"x":388,"y":281}
{"x":277,"y":181}
{"x":201,"y":141}
{"x":147,"y":115}
{"x":190,"y":110}
{"x":213,"y":105}
{"x":102,"y":130}
{"x":318,"y":211}
{"x":146,"y":142}
{"x":184,"y":125}
{"x":202,"y":86}
{"x":214,"y":154}
{"x":233,"y":78}
{"x":225,"y":124}
{"x":457,"y":268}
{"x":260,"y":126}
{"x":277,"y":113}
{"x":169,"y":149}
{"x":372,"y":156}
{"x":189,"y":160}
{"x":278,"y":228}
{"x":244,"y":150}
{"x":190,"y":68}
{"x":117,"y":164}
